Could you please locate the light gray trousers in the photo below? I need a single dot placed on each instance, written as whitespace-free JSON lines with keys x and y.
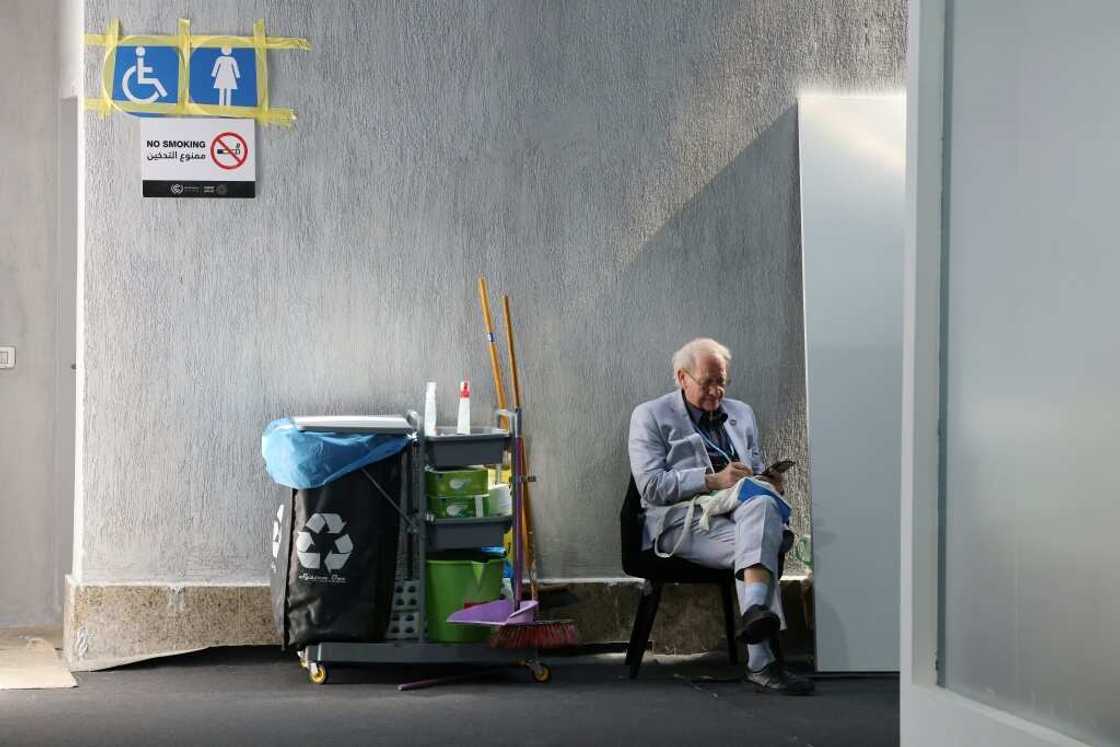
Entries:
{"x":749,"y":535}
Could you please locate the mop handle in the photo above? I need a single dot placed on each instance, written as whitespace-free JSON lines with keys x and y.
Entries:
{"x":495,"y":369}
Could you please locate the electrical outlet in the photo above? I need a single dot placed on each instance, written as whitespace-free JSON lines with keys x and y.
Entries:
{"x":7,"y":356}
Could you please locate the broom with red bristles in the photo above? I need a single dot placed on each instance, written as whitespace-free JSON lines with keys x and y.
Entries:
{"x":541,"y":634}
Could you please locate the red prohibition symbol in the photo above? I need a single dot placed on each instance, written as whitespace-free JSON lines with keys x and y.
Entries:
{"x":228,"y":150}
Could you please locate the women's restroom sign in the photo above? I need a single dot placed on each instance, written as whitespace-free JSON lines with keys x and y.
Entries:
{"x":196,"y":157}
{"x":224,"y":76}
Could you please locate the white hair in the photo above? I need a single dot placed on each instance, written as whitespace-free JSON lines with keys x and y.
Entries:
{"x":686,"y":357}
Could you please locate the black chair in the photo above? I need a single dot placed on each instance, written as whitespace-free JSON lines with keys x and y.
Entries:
{"x":657,"y":572}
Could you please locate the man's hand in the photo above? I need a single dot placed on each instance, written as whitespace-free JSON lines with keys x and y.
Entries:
{"x":778,"y":481}
{"x":728,"y":476}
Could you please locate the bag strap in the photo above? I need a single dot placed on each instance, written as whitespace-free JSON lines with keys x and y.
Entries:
{"x":684,"y":532}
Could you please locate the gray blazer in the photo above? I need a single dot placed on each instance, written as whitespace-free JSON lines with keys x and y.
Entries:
{"x":668,"y":458}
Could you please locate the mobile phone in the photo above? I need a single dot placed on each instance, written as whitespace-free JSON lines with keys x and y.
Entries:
{"x":778,"y":468}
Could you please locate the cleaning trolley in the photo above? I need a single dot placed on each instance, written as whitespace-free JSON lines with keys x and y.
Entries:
{"x":337,"y":614}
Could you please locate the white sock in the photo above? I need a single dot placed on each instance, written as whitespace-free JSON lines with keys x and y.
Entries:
{"x":758,"y":656}
{"x":756,"y":593}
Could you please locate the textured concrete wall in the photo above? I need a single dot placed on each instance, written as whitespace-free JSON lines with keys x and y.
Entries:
{"x":35,"y":550}
{"x":626,"y":171}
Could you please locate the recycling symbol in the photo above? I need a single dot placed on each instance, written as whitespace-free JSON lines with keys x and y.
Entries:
{"x":276,"y":531}
{"x":306,"y":550}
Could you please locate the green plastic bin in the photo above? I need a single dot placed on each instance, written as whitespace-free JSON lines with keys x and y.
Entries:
{"x":455,"y":581}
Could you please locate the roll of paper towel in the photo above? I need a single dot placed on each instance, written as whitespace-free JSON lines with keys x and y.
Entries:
{"x":501,"y":501}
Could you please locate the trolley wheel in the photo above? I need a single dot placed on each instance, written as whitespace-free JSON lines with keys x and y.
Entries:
{"x":317,"y":673}
{"x":541,"y":672}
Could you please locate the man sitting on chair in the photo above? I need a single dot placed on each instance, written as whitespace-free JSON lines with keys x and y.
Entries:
{"x":693,"y":441}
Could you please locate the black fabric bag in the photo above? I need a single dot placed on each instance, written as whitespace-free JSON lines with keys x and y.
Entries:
{"x":334,"y":558}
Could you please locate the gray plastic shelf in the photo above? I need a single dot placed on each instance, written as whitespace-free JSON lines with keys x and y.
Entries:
{"x":483,"y":445}
{"x":461,"y":534}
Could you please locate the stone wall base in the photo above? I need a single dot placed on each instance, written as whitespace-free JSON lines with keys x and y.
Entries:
{"x":689,"y":619}
{"x":108,"y":625}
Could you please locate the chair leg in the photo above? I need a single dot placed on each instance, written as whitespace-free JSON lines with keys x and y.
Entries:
{"x":727,"y":590}
{"x":775,"y":641}
{"x":643,"y":626}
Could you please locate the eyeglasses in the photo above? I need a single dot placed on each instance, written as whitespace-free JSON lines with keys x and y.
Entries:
{"x":709,"y":383}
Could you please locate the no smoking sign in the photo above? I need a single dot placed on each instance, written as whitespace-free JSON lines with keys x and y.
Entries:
{"x":193,"y":157}
{"x":229,"y":151}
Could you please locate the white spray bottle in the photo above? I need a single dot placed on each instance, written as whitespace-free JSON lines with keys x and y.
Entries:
{"x":464,"y":425}
{"x":430,"y":410}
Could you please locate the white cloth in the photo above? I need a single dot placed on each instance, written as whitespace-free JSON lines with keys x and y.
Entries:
{"x":710,"y":504}
{"x":725,"y":501}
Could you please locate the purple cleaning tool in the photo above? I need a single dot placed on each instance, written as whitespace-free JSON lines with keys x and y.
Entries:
{"x":497,"y":613}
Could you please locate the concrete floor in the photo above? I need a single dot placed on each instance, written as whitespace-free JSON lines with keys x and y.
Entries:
{"x":251,"y":696}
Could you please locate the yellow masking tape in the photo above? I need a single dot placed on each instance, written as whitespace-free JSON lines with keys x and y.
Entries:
{"x":184,"y":65}
{"x":262,"y":66}
{"x":271,"y":42}
{"x":184,"y":42}
{"x":198,"y":42}
{"x":106,"y":101}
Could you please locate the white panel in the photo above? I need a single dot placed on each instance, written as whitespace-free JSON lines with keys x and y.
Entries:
{"x":1032,"y":595}
{"x":931,"y":715}
{"x":852,"y":156}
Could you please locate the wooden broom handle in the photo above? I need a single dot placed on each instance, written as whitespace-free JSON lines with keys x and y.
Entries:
{"x":495,"y":366}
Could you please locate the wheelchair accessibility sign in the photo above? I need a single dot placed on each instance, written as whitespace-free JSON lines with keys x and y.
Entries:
{"x":195,"y":157}
{"x":146,"y":75}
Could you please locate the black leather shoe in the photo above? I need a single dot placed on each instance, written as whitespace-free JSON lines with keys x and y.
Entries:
{"x":759,"y":624}
{"x":773,"y":678}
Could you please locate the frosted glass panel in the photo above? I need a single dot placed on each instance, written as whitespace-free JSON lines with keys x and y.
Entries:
{"x":1032,"y":431}
{"x":852,"y":156}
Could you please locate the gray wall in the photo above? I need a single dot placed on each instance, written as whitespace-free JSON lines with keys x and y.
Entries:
{"x":34,"y":396}
{"x":626,"y":171}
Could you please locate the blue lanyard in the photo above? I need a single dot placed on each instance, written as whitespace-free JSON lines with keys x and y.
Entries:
{"x":704,"y":436}
{"x":714,"y":445}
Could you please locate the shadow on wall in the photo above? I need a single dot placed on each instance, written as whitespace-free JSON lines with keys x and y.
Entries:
{"x":742,"y":235}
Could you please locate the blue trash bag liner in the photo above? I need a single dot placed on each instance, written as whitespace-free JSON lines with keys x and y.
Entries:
{"x":311,"y":459}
